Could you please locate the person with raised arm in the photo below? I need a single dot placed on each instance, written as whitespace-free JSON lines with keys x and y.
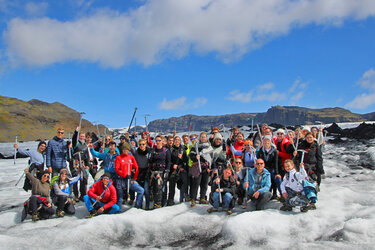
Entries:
{"x":36,"y":162}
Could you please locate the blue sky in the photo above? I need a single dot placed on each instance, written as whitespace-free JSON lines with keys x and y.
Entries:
{"x":204,"y":57}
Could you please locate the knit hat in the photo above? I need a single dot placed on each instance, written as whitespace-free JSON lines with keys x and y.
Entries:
{"x":125,"y":145}
{"x":218,"y":136}
{"x":122,"y":137}
{"x":306,"y":128}
{"x":280,"y":130}
{"x":267,"y":137}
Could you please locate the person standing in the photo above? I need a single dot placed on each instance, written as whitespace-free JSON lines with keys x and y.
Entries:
{"x":57,"y":151}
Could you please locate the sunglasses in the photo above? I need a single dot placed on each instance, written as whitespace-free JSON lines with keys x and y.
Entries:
{"x":106,"y":178}
{"x":280,"y":133}
{"x":142,"y":144}
{"x":237,"y":162}
{"x":158,"y":140}
{"x":46,"y":175}
{"x":60,"y":133}
{"x":260,"y":163}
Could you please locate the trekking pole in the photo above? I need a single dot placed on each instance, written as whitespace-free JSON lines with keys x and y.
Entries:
{"x":128,"y":178}
{"x":246,"y":190}
{"x":252,"y":125}
{"x":297,"y":140}
{"x":80,"y":122}
{"x":15,"y":151}
{"x":135,"y":110}
{"x":287,"y":133}
{"x":219,"y":186}
{"x":199,"y":161}
{"x":23,"y":174}
{"x":260,"y":134}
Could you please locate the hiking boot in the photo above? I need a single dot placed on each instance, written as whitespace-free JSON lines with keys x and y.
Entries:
{"x":229,"y":212}
{"x":170,"y":203}
{"x":192,"y":203}
{"x":212,"y":209}
{"x":239,"y":201}
{"x":286,"y":208}
{"x":93,"y":213}
{"x":187,"y":199}
{"x":203,"y":201}
{"x":244,"y":206}
{"x":76,"y":199}
{"x":304,"y":209}
{"x":312,"y":206}
{"x":60,"y":213}
{"x":281,"y":199}
{"x":157,"y":206}
{"x":274,"y":196}
{"x":35,"y":217}
{"x":80,"y":198}
{"x":131,"y":202}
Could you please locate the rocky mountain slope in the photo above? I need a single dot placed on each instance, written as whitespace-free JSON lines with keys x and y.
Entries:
{"x":35,"y":119}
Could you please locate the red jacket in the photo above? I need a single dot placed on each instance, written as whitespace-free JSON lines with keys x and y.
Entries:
{"x":109,"y":197}
{"x":284,"y":145}
{"x":122,"y":164}
{"x":237,"y":146}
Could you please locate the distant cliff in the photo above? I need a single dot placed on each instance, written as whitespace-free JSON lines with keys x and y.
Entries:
{"x":287,"y":115}
{"x":35,"y":119}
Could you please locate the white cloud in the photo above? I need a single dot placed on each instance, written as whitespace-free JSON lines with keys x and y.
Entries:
{"x":271,"y":96}
{"x":362,"y":101}
{"x":180,"y":103}
{"x":199,"y":102}
{"x":162,"y":29}
{"x":266,"y":86}
{"x":172,"y":104}
{"x":36,"y":9}
{"x":236,"y":95}
{"x":365,"y":100}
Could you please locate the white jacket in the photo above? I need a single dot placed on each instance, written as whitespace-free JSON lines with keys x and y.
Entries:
{"x":293,"y":180}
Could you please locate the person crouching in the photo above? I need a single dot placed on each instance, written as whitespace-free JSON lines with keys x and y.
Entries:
{"x":292,"y":188}
{"x":61,"y":193}
{"x":224,"y":186}
{"x":39,"y":204}
{"x":102,"y":197}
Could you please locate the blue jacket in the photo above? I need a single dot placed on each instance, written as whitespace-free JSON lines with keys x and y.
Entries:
{"x":109,"y":160}
{"x":56,"y":153}
{"x":265,"y":184}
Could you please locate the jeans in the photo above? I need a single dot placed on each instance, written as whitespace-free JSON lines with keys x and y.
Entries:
{"x":226,"y":199}
{"x":121,"y":185}
{"x":276,"y":182}
{"x":89,"y":201}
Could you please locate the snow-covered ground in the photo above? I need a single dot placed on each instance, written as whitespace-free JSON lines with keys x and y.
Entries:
{"x":345,"y":217}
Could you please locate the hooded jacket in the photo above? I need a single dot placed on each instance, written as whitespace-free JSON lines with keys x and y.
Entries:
{"x":265,"y":184}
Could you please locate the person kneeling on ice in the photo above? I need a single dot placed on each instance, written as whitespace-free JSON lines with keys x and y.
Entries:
{"x":61,"y":193}
{"x":39,"y":204}
{"x":258,"y":185}
{"x":224,"y":187}
{"x":102,"y":197}
{"x":292,"y":188}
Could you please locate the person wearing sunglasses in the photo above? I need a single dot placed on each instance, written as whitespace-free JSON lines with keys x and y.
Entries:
{"x":108,"y":157}
{"x":284,"y":147}
{"x":142,"y":155}
{"x":57,"y":152}
{"x":39,"y":204}
{"x":160,"y":165}
{"x":258,"y":185}
{"x":102,"y":197}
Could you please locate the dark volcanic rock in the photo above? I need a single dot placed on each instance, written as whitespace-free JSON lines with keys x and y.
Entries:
{"x":363,"y":131}
{"x":334,"y":129}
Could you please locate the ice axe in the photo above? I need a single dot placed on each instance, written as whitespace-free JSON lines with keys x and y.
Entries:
{"x":80,"y":123}
{"x":303,"y":154}
{"x":15,"y":151}
{"x":131,"y":122}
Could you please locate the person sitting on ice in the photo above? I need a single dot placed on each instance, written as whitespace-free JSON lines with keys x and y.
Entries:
{"x":292,"y":188}
{"x":36,"y":165}
{"x":224,"y":186}
{"x":258,"y":185}
{"x":61,"y":193}
{"x":102,"y":197}
{"x":39,"y":204}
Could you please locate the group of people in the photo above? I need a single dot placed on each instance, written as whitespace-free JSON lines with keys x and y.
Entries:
{"x":145,"y":172}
